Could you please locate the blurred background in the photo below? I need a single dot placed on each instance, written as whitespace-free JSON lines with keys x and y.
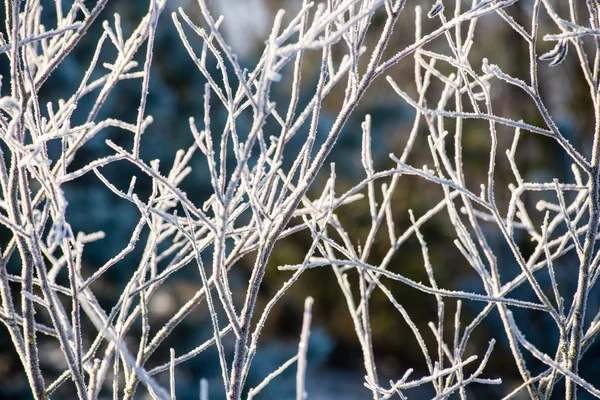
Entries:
{"x":335,"y":359}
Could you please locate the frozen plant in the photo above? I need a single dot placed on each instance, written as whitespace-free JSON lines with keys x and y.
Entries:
{"x":263,"y":191}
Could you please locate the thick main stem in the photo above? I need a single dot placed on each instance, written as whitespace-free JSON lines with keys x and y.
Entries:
{"x":581,"y":295}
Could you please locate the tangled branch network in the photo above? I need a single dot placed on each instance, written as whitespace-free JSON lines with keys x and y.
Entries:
{"x":264,"y":191}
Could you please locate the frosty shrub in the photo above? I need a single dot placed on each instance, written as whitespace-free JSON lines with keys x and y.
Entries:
{"x":264,"y":190}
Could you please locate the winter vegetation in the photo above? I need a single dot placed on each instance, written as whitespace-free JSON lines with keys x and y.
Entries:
{"x":259,"y":146}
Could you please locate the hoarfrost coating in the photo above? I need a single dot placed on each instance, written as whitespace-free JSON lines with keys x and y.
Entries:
{"x":267,"y":166}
